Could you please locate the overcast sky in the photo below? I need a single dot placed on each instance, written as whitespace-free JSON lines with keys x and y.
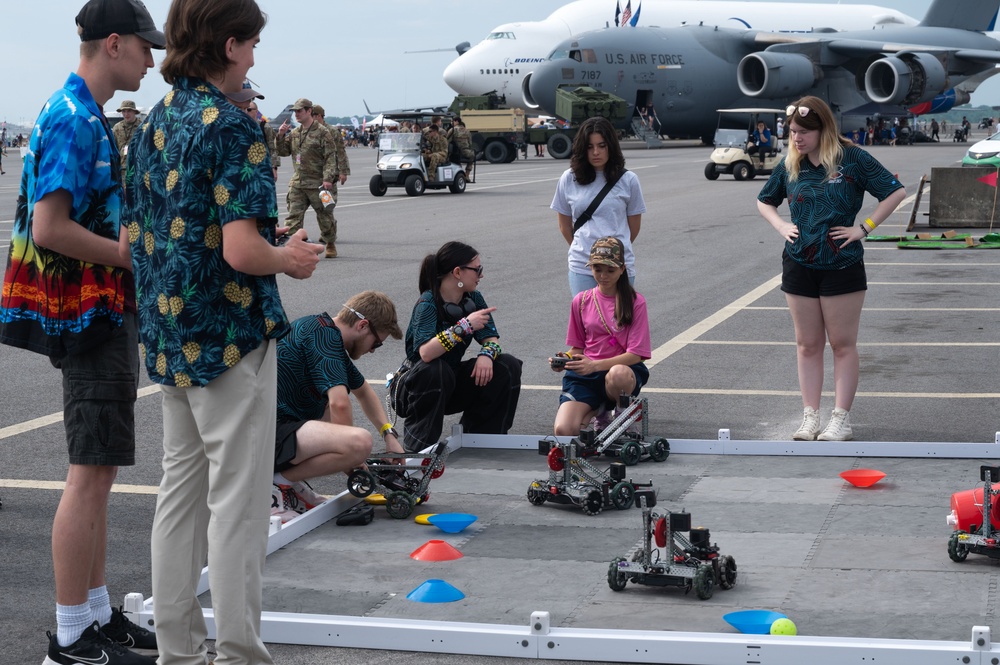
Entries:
{"x":335,"y":53}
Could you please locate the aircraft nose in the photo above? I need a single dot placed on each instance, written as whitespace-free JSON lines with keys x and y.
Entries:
{"x":454,"y":74}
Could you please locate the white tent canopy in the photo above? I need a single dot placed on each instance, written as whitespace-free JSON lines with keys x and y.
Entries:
{"x":381,"y":121}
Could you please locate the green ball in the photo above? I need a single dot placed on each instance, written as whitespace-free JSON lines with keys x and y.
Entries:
{"x":783,"y":627}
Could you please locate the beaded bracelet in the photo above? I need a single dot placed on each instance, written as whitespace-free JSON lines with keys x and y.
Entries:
{"x":491,"y":349}
{"x":445,"y":342}
{"x":465,"y":326}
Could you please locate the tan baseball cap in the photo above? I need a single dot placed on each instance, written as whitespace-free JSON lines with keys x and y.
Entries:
{"x":302,"y":103}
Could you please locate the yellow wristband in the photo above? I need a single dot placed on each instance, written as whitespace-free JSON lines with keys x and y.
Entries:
{"x":385,"y":428}
{"x":870,"y":224}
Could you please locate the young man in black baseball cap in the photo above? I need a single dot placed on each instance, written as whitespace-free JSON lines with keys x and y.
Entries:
{"x":76,"y":307}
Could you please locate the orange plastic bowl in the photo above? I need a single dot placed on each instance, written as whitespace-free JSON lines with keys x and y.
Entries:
{"x":862,"y":477}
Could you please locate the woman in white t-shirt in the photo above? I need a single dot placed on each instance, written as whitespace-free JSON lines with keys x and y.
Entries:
{"x":597,"y":159}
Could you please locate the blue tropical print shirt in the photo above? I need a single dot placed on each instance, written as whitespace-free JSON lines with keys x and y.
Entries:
{"x":426,"y":322}
{"x":817,"y":203}
{"x":311,"y":360}
{"x":51,"y":303}
{"x":195,"y":165}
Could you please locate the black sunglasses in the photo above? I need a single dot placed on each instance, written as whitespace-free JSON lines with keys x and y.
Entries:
{"x":478,"y":271}
{"x":371,"y":326}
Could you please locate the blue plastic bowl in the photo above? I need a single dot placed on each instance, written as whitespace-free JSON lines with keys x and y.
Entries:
{"x":753,"y":622}
{"x":452,"y":522}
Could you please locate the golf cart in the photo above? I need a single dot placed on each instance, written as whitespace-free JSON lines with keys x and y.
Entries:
{"x":730,"y":155}
{"x":401,"y":164}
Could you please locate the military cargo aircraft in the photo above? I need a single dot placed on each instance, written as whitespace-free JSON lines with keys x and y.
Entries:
{"x":511,"y":51}
{"x":686,"y":73}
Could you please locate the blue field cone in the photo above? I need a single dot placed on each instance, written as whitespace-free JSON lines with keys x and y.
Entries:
{"x":435,"y":591}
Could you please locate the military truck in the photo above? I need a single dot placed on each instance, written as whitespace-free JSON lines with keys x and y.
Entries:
{"x":498,"y":133}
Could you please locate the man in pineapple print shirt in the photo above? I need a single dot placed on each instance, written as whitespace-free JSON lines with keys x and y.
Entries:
{"x":202,"y":217}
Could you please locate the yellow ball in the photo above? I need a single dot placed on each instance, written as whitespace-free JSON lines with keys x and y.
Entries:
{"x":783,"y":627}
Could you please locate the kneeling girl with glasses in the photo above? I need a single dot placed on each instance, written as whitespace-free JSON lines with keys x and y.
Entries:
{"x":449,"y":314}
{"x":608,"y":336}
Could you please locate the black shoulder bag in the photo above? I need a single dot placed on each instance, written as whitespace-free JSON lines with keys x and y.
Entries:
{"x":589,"y":212}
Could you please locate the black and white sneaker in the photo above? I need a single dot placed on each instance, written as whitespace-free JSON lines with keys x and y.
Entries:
{"x":128,"y":634}
{"x":93,"y":648}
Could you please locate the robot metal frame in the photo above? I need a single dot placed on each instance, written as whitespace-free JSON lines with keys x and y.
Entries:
{"x":403,"y":485}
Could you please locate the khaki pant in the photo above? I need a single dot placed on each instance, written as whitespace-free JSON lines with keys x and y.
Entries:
{"x":214,"y":504}
{"x":301,"y":199}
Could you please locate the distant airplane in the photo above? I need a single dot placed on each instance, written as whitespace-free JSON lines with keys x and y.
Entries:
{"x":511,"y":51}
{"x":687,"y":73}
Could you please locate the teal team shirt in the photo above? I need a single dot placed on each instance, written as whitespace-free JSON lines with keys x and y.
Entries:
{"x":817,"y":203}
{"x":196,"y":164}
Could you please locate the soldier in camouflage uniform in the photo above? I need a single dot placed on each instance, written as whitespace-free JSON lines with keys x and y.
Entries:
{"x":314,"y":154}
{"x":343,"y":165}
{"x":124,"y":130}
{"x":436,"y":152}
{"x":461,"y":137}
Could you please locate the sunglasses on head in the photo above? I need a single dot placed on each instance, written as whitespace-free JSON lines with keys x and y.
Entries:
{"x":792,"y":108}
{"x":378,"y":340}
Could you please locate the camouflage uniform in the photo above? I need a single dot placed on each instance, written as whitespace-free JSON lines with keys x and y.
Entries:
{"x":314,"y":154}
{"x":271,"y":141}
{"x":123,"y":132}
{"x":463,"y":139}
{"x":343,"y":165}
{"x":436,"y":152}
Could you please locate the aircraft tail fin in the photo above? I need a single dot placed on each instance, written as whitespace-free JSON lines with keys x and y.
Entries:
{"x":973,"y":15}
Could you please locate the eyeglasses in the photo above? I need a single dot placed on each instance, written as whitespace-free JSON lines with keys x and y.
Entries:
{"x":251,"y":109}
{"x":378,"y":340}
{"x":803,"y":110}
{"x":478,"y":270}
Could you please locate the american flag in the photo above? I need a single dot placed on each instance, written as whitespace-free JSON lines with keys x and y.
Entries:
{"x":627,"y":14}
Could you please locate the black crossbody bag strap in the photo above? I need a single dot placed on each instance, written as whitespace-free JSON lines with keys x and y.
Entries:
{"x":589,"y":212}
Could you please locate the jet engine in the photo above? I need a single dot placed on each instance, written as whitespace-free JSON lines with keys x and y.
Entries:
{"x":907,"y":78}
{"x":775,"y":75}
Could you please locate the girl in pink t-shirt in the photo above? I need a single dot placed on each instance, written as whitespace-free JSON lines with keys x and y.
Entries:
{"x":608,"y":336}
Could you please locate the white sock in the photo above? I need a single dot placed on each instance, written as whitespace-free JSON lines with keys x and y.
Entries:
{"x":281,"y":480}
{"x":71,"y":621}
{"x":100,"y":605}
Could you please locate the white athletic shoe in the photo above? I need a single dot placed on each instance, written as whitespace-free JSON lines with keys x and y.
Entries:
{"x":839,"y":427}
{"x":809,"y":428}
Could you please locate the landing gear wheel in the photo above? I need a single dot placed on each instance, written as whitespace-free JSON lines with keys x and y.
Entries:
{"x":704,"y":582}
{"x":360,"y":483}
{"x":458,"y":186}
{"x":617,"y":579}
{"x":659,"y":450}
{"x":399,"y":505}
{"x":594,"y":503}
{"x":727,"y":572}
{"x":414,"y":185}
{"x":710,"y":171}
{"x":957,"y":549}
{"x":536,"y":495}
{"x":560,"y":146}
{"x":622,"y":495}
{"x":631,"y":453}
{"x":377,"y":186}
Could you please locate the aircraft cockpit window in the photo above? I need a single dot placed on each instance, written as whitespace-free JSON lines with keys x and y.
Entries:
{"x":501,"y":35}
{"x":559,"y":54}
{"x":589,"y":56}
{"x":575,"y":55}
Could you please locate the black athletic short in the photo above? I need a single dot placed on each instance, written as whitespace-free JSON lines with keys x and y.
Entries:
{"x":285,"y":444}
{"x":798,"y":280}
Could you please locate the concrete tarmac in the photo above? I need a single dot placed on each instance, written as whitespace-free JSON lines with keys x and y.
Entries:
{"x":725,"y":358}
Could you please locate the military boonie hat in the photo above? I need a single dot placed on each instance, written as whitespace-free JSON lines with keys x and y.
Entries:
{"x":607,"y":251}
{"x":102,"y":18}
{"x":127,"y":105}
{"x":301,"y":103}
{"x":246,"y":93}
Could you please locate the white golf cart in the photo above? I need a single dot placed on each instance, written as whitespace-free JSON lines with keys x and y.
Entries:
{"x":730,"y":155}
{"x":400,"y":164}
